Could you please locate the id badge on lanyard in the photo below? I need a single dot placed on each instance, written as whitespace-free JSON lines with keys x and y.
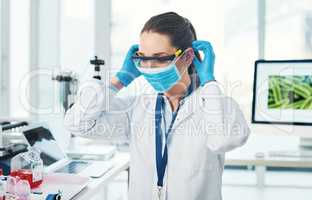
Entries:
{"x":161,"y":159}
{"x":159,"y":193}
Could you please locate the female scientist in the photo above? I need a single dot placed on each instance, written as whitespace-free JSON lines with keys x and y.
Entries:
{"x":180,"y":130}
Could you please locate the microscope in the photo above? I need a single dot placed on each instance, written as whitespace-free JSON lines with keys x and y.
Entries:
{"x":97,"y":67}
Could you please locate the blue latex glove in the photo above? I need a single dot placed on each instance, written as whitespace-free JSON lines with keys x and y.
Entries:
{"x":128,"y":71}
{"x":204,"y":68}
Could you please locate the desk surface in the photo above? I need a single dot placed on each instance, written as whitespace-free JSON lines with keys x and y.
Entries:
{"x":121,"y":163}
{"x":246,"y":155}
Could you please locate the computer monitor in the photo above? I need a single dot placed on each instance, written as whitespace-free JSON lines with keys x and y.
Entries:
{"x":282,"y":92}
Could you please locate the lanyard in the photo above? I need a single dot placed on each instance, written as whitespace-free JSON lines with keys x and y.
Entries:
{"x":161,"y":160}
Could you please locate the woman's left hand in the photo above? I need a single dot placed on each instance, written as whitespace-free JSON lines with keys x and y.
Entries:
{"x":204,"y":68}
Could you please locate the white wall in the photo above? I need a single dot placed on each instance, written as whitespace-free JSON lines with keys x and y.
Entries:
{"x":4,"y":60}
{"x":1,"y":67}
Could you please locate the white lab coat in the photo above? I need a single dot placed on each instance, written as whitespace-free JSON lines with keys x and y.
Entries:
{"x":208,"y":125}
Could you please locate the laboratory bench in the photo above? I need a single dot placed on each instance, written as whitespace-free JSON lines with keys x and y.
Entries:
{"x":264,"y":154}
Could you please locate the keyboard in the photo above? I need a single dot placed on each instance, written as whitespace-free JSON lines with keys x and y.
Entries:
{"x":74,"y":167}
{"x":296,"y":154}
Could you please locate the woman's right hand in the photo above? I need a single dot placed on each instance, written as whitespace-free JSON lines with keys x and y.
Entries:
{"x":128,"y":72}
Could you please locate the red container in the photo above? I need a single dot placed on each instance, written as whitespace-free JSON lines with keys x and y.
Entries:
{"x":26,"y":175}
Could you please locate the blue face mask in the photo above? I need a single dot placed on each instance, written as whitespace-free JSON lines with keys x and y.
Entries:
{"x":161,"y":79}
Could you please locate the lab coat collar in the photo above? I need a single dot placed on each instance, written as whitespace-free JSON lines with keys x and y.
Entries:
{"x":198,"y":100}
{"x":193,"y":103}
{"x":188,"y":107}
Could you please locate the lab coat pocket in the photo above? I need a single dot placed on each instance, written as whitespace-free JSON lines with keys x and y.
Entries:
{"x":206,"y":175}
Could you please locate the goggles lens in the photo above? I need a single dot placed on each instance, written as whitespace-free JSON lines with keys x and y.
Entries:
{"x":154,"y":61}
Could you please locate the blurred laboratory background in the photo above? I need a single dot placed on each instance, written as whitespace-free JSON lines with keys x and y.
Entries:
{"x":45,"y":52}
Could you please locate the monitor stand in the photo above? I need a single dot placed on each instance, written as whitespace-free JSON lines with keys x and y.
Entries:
{"x":305,"y":143}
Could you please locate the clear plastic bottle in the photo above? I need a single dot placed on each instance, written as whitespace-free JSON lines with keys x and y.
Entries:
{"x":22,"y":190}
{"x":2,"y":189}
{"x":28,"y":166}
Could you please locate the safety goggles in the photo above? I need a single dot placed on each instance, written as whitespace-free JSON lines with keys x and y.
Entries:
{"x":155,"y":61}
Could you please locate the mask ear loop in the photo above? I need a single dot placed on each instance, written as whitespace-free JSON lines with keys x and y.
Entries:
{"x":188,"y":54}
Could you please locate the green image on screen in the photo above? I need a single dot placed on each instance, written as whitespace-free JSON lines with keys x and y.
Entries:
{"x":290,"y":92}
